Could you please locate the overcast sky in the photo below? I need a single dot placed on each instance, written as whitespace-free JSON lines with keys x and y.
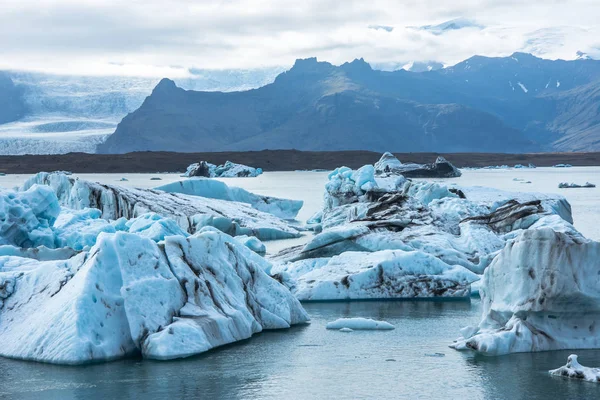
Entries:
{"x":166,"y":38}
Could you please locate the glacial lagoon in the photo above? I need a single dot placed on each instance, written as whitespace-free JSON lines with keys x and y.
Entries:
{"x":412,"y":361}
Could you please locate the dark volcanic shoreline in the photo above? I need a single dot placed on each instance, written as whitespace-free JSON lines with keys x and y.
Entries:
{"x":268,"y":160}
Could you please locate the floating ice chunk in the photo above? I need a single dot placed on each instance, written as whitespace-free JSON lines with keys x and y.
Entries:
{"x":540,"y":293}
{"x":566,"y":185}
{"x":227,"y":170}
{"x":381,"y":275}
{"x":346,"y":330}
{"x":129,"y":295}
{"x":359,"y":324}
{"x":575,"y":370}
{"x":191,"y":213}
{"x":387,"y":163}
{"x":441,"y":168}
{"x":213,"y":189}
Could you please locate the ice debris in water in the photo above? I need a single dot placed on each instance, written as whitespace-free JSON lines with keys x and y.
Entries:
{"x":359,"y":324}
{"x":575,"y":370}
{"x":227,"y":170}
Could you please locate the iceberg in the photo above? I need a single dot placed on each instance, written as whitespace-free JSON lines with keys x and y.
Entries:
{"x":212,"y":189}
{"x":566,"y":185}
{"x":227,"y":170}
{"x":540,"y":293}
{"x":574,"y":370}
{"x":354,"y":324}
{"x":440,"y":168}
{"x":389,"y":237}
{"x":129,"y":295}
{"x":382,"y":274}
{"x":191,"y":213}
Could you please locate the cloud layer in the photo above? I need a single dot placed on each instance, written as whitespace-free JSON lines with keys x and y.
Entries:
{"x":160,"y":38}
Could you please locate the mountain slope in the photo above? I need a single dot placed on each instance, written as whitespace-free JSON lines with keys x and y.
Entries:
{"x":313,"y":106}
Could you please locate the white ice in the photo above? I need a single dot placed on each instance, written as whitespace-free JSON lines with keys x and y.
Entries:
{"x":129,"y":295}
{"x":574,"y":370}
{"x":540,"y":293}
{"x":359,"y":324}
{"x":191,"y":213}
{"x":213,"y":189}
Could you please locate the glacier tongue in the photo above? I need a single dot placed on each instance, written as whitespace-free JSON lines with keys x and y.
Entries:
{"x":191,"y":213}
{"x":129,"y":295}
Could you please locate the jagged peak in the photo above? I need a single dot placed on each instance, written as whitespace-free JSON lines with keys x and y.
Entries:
{"x":357,"y":64}
{"x":165,"y":85}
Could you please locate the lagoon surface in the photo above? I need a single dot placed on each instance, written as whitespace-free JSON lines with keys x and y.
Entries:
{"x":310,"y":362}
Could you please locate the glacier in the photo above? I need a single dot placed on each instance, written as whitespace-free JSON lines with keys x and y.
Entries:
{"x":190,"y":212}
{"x":213,"y":189}
{"x":69,"y":113}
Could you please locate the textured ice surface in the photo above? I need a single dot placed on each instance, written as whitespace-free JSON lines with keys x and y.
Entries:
{"x":213,"y":189}
{"x":26,"y":217}
{"x":191,"y":213}
{"x":227,"y":170}
{"x":574,"y":370}
{"x":381,"y":274}
{"x":129,"y":295}
{"x":540,"y":293}
{"x":383,"y":237}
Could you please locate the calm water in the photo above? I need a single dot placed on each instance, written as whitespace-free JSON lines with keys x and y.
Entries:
{"x":310,"y":362}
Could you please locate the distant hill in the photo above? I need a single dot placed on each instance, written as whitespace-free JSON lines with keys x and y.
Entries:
{"x":510,"y":104}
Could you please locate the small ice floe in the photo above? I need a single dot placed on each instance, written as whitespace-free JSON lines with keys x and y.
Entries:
{"x":566,"y":185}
{"x":123,"y":180}
{"x":563,"y":166}
{"x":359,"y":324}
{"x":156,"y":179}
{"x":2,"y":174}
{"x":346,"y":330}
{"x":577,"y":371}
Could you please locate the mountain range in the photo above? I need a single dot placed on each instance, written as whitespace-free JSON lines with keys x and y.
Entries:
{"x":519,"y":103}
